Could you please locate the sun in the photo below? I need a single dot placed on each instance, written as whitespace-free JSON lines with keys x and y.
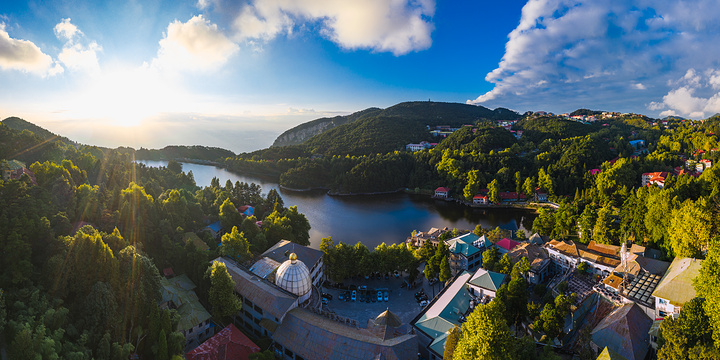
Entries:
{"x":128,"y":96}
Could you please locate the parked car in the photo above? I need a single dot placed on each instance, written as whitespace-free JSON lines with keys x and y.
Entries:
{"x":353,"y":296}
{"x":324,"y":301}
{"x":424,"y":303}
{"x":379,"y":296}
{"x":387,"y":276}
{"x":397,"y":274}
{"x":387,"y":298}
{"x":341,"y":296}
{"x":327,"y":296}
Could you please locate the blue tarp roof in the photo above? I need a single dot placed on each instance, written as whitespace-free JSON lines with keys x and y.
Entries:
{"x":215,"y":226}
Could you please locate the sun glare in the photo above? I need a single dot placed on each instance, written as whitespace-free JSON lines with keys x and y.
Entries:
{"x":127,"y":97}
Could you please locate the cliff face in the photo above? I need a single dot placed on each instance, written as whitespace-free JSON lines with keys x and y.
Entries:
{"x":302,"y":132}
{"x":296,"y":136}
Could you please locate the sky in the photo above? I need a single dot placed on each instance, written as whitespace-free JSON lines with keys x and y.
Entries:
{"x":235,"y":74}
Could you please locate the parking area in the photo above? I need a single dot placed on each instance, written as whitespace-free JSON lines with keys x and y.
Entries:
{"x":401,"y":300}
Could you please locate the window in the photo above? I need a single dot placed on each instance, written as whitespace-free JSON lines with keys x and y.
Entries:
{"x":248,"y":302}
{"x":289,"y":353}
{"x":256,"y":321}
{"x":258,"y":309}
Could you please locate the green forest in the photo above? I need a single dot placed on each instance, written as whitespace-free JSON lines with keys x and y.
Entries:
{"x":82,"y":250}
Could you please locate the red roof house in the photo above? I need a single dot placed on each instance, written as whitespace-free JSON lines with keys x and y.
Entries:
{"x":442,"y":191}
{"x":229,"y":343}
{"x":506,"y":245}
{"x":480,"y":199}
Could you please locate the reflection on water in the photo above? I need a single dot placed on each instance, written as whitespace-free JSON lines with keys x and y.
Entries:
{"x":371,"y":219}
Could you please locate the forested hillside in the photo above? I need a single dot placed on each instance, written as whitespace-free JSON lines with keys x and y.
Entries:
{"x":19,"y":124}
{"x":302,"y":132}
{"x":181,"y":152}
{"x":81,"y":250}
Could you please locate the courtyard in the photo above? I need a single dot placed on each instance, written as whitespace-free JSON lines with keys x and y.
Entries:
{"x":401,"y":300}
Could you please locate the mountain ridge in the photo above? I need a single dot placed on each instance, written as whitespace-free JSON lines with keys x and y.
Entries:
{"x":382,"y":130}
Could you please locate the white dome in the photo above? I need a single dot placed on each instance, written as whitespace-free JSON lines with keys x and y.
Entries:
{"x":294,"y":277}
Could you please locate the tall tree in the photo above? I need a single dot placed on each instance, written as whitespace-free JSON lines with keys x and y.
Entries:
{"x":529,"y":187}
{"x":445,"y":273}
{"x":222,"y":299}
{"x":494,"y":192}
{"x":707,"y":285}
{"x":235,"y":245}
{"x":229,"y":215}
{"x":485,"y":335}
{"x":471,"y":189}
{"x":691,"y":228}
{"x":603,"y":232}
{"x":451,"y":343}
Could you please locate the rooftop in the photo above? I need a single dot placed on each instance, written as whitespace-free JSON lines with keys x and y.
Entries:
{"x":316,"y":337}
{"x":677,"y":284}
{"x":199,"y":244}
{"x":463,"y":244}
{"x":535,"y":254}
{"x":264,"y":267}
{"x":507,"y":244}
{"x":624,"y":331}
{"x":178,"y":290}
{"x":443,"y":313}
{"x":487,"y":279}
{"x":229,"y":343}
{"x":264,"y":294}
{"x":567,"y":248}
{"x":608,"y":354}
{"x":280,"y":252}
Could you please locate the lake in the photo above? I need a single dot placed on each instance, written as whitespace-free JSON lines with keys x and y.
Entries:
{"x":371,"y":219}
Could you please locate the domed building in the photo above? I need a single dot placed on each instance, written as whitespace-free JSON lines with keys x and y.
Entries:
{"x":294,"y":277}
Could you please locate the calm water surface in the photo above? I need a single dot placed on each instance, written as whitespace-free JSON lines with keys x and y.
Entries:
{"x":371,"y":219}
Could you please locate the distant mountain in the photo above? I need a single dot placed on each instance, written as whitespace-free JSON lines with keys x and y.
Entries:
{"x":304,"y":131}
{"x":380,"y":131}
{"x":19,"y":124}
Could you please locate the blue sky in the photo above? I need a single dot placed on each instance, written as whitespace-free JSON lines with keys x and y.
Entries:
{"x":235,"y":74}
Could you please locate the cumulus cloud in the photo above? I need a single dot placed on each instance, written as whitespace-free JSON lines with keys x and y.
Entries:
{"x":24,"y":55}
{"x":78,"y":53}
{"x":578,"y":52}
{"x":66,"y":30}
{"x":695,"y":96}
{"x":397,"y":26}
{"x":194,"y":45}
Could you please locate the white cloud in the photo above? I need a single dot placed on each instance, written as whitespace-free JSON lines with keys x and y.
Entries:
{"x":194,"y":45}
{"x":684,"y":99}
{"x":66,"y":30}
{"x":588,"y":52}
{"x":24,"y":55}
{"x":78,"y":53}
{"x":397,"y":26}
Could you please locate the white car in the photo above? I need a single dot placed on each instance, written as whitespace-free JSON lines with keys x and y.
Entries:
{"x":424,"y":303}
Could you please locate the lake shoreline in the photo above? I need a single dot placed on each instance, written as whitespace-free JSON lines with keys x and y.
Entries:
{"x":370,"y":219}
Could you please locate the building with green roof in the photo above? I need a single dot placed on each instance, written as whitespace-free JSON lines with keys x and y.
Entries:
{"x":442,"y":314}
{"x":485,"y":283}
{"x":676,"y":287}
{"x":464,"y":256}
{"x":177,"y":293}
{"x":451,"y":307}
